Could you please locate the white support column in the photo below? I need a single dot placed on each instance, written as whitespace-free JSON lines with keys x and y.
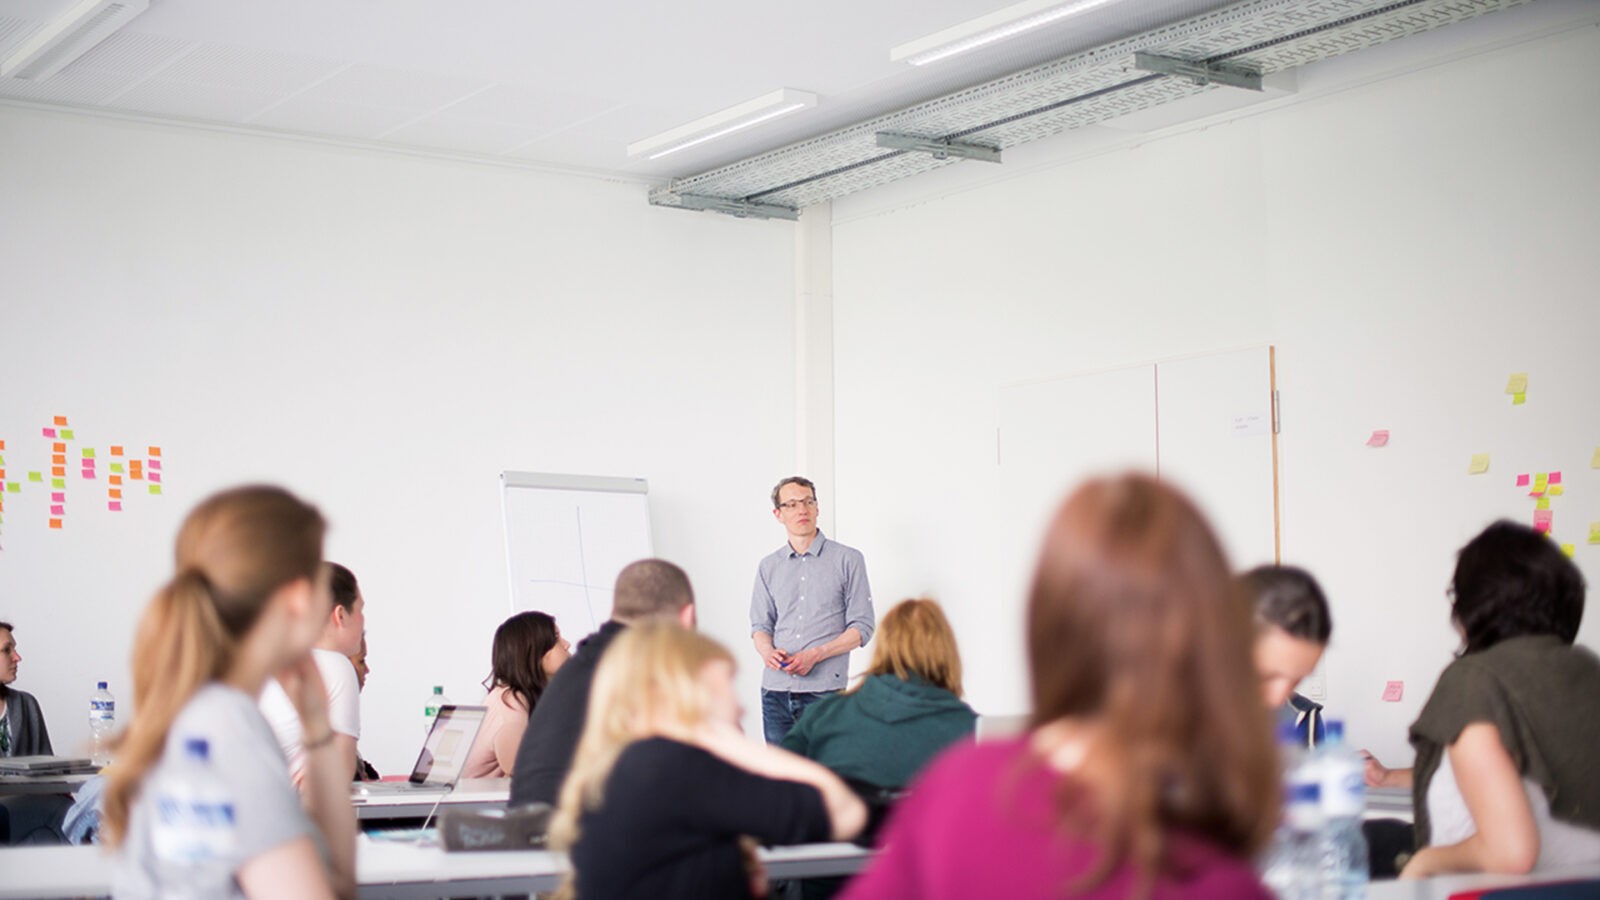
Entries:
{"x":813,"y":353}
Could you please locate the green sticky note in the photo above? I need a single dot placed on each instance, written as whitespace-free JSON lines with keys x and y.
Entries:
{"x":58,"y":483}
{"x":1544,"y":503}
{"x":88,"y":453}
{"x":155,"y":488}
{"x":66,"y":434}
{"x":2,"y":460}
{"x":116,"y":467}
{"x":13,"y":487}
{"x":35,"y":476}
{"x":1518,"y":399}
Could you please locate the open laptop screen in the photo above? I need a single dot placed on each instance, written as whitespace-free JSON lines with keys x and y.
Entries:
{"x":444,"y":753}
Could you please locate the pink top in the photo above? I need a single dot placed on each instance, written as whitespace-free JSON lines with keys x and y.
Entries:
{"x":980,"y":823}
{"x":494,"y":753}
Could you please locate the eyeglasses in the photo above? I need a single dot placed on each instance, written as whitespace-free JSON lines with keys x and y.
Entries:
{"x":792,"y":505}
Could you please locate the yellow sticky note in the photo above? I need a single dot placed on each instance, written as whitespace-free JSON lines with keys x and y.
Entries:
{"x":1594,"y":461}
{"x":1518,"y":399}
{"x":1594,"y":532}
{"x":1544,"y":503}
{"x":1568,"y":549}
{"x":1479,"y":464}
{"x":1517,"y":383}
{"x":1557,"y":490}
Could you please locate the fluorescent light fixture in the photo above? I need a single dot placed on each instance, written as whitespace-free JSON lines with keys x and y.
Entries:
{"x":68,"y":36}
{"x":996,"y":26}
{"x":720,"y":124}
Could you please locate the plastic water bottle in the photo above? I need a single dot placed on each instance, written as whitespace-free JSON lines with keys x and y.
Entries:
{"x":102,"y":721}
{"x":431,"y":710}
{"x":1345,"y":866}
{"x":193,"y":831}
{"x":1293,"y":866}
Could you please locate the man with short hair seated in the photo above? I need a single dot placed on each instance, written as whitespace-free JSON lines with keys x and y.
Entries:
{"x":35,"y":818}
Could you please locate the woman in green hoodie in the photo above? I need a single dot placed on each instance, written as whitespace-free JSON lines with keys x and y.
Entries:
{"x":905,"y":709}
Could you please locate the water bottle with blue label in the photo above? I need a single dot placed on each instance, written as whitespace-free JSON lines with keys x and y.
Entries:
{"x":102,"y":721}
{"x":1345,"y":866}
{"x":193,"y":832}
{"x":1292,"y":868}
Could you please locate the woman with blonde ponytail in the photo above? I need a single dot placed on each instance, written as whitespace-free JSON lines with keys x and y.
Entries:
{"x":246,"y":603}
{"x":664,"y":787}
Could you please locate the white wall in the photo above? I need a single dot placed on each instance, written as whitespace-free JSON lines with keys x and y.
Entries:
{"x":385,"y":335}
{"x":1406,"y":244}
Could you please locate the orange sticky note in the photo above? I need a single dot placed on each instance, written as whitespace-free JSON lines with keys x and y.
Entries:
{"x":58,"y":459}
{"x":55,"y":523}
{"x":116,"y":493}
{"x":137,"y":474}
{"x":61,"y":420}
{"x":154,"y":451}
{"x":116,"y":449}
{"x":2,"y":445}
{"x":58,"y":471}
{"x":116,"y":479}
{"x":58,"y":447}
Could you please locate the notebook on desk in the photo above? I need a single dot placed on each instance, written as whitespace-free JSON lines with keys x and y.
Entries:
{"x":47,"y":765}
{"x":443,"y":756}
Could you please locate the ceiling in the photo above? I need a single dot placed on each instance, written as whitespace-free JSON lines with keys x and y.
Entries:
{"x":563,"y":86}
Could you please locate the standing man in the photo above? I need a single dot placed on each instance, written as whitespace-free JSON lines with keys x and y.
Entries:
{"x":811,"y":606}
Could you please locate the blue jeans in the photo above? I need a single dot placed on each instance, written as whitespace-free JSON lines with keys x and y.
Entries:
{"x":780,"y":710}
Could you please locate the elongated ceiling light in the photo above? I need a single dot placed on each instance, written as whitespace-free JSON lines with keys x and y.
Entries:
{"x":984,"y":30}
{"x":68,"y":36}
{"x":720,"y":124}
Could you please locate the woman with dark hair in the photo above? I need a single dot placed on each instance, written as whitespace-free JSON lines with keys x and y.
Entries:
{"x":1505,"y":777}
{"x":1292,"y":631}
{"x":1141,"y":774}
{"x":528,"y":649}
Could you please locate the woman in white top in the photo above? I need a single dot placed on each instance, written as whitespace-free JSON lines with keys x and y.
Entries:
{"x":528,"y":649}
{"x":247,"y":602}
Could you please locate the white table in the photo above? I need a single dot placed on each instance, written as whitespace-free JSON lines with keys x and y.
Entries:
{"x":470,"y":793}
{"x":12,"y":785}
{"x":392,"y":870}
{"x":1442,"y":887}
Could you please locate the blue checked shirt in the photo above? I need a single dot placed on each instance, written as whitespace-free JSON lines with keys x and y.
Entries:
{"x":806,"y":600}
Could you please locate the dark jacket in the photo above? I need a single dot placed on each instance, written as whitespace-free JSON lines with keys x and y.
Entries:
{"x":29,"y":737}
{"x":556,"y":723}
{"x":884,"y":732}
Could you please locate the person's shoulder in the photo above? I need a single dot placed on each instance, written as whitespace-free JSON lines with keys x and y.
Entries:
{"x":657,"y":761}
{"x":1204,"y":869}
{"x":221,"y":712}
{"x":335,"y":667}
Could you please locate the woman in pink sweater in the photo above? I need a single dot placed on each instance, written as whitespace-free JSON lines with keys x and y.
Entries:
{"x":1142,"y":774}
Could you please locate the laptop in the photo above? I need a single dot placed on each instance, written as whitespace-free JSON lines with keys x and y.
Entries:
{"x":46,"y":765}
{"x":443,"y":756}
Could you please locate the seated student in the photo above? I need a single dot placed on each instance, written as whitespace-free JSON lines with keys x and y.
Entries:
{"x":1505,"y":778}
{"x":358,"y":661}
{"x":905,"y":709}
{"x":1292,"y":631}
{"x":528,"y":649}
{"x":249,"y":598}
{"x":341,"y":637}
{"x":664,"y":785}
{"x":1141,"y":773}
{"x":645,"y":589}
{"x":31,"y":818}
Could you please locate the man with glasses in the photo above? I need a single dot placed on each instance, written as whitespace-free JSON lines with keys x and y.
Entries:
{"x":811,"y":606}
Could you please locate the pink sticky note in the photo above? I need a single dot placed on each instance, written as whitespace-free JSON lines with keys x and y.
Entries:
{"x":1555,"y":477}
{"x":1380,"y":438}
{"x":153,"y":465}
{"x":1543,"y":515}
{"x":58,"y":496}
{"x":49,"y":433}
{"x":1392,"y":691}
{"x":1522,"y":481}
{"x":58,"y":510}
{"x":154,"y":476}
{"x":88,"y":473}
{"x":114,"y":505}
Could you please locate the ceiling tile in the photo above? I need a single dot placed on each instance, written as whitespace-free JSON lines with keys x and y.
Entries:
{"x":308,"y":115}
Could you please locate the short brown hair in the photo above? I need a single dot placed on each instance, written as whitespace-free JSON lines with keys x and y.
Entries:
{"x":648,"y":588}
{"x":1135,"y":625}
{"x":915,"y":640}
{"x":792,"y":479}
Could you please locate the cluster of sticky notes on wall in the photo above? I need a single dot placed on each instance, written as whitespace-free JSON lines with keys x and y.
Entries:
{"x":1517,"y":387}
{"x":59,"y":434}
